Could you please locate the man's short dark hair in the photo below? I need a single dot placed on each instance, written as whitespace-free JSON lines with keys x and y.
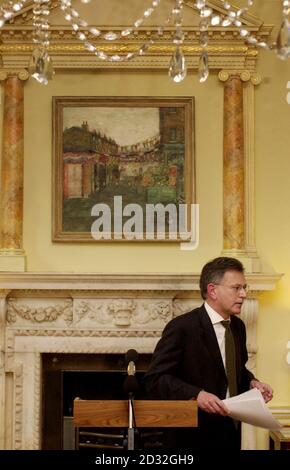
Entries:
{"x":214,"y":271}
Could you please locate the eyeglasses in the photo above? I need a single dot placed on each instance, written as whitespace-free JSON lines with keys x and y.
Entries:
{"x":238,"y":288}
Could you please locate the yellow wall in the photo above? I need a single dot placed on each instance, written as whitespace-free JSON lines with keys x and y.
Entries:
{"x":273,"y":223}
{"x":42,"y":254}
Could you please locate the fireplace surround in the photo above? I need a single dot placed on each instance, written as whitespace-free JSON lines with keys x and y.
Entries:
{"x":86,"y":376}
{"x":44,"y":313}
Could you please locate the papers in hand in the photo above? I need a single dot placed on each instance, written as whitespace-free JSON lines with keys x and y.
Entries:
{"x":250,"y":408}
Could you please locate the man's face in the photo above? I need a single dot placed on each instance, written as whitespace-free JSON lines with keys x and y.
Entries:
{"x":230,"y":293}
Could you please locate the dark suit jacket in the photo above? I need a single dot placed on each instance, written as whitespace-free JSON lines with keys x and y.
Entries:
{"x":187,"y":359}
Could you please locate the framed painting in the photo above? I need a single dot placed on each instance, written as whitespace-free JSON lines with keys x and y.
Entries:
{"x":123,"y":168}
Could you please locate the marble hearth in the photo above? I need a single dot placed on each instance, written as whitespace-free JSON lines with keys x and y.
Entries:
{"x":88,"y":313}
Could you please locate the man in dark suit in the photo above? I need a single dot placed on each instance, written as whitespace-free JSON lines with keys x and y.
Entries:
{"x":190,"y":362}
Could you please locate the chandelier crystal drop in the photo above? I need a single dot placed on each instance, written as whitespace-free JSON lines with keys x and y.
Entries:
{"x":283,"y":40}
{"x":203,"y":70}
{"x":177,"y":67}
{"x":41,"y":66}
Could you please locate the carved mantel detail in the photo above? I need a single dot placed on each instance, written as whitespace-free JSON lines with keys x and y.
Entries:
{"x":88,"y":314}
{"x":122,"y":313}
{"x":39,"y":314}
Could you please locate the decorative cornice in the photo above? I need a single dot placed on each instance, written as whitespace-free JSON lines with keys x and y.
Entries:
{"x":13,"y":34}
{"x":226,"y":47}
{"x":126,"y":48}
{"x":158,"y":61}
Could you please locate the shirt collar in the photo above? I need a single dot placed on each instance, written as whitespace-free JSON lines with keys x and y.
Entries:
{"x":213,"y":315}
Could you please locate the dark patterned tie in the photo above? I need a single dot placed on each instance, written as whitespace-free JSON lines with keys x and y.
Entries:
{"x":230,"y":358}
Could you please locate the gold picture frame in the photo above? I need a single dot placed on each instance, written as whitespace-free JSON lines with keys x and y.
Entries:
{"x":139,"y":149}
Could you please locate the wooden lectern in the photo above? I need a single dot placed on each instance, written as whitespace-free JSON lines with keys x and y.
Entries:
{"x":148,"y":413}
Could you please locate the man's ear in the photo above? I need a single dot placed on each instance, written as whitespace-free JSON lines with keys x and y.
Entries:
{"x":211,"y":291}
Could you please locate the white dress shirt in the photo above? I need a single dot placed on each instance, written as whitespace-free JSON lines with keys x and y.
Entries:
{"x":219,"y":330}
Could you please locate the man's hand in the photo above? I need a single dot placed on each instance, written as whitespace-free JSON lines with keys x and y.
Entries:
{"x":265,"y":389}
{"x":211,"y":403}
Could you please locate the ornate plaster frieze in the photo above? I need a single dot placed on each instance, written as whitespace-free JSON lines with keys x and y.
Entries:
{"x":181,"y":306}
{"x":34,"y":313}
{"x":123,"y":312}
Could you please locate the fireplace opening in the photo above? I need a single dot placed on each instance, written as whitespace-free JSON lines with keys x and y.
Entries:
{"x":89,"y":377}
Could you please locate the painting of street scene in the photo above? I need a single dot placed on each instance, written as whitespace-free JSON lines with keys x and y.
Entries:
{"x":138,"y":149}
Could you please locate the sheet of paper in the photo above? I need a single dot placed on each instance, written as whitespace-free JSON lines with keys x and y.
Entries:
{"x":250,"y":408}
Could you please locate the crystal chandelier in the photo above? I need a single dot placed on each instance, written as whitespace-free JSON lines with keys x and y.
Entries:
{"x":41,"y":67}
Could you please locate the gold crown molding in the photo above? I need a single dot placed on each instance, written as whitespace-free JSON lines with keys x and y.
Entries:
{"x":226,"y":49}
{"x":76,"y":57}
{"x":60,"y":33}
{"x":152,"y":63}
{"x":124,"y":49}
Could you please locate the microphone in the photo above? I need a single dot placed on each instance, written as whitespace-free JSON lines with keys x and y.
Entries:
{"x":131,"y":358}
{"x":131,"y":385}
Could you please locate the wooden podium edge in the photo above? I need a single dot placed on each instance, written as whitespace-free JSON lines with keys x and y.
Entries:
{"x":148,"y":413}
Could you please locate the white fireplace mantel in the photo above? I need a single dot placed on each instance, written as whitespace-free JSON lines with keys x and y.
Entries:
{"x":89,"y":313}
{"x":134,"y":281}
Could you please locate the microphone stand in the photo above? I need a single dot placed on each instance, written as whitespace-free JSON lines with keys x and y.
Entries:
{"x":131,"y":428}
{"x":130,"y":387}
